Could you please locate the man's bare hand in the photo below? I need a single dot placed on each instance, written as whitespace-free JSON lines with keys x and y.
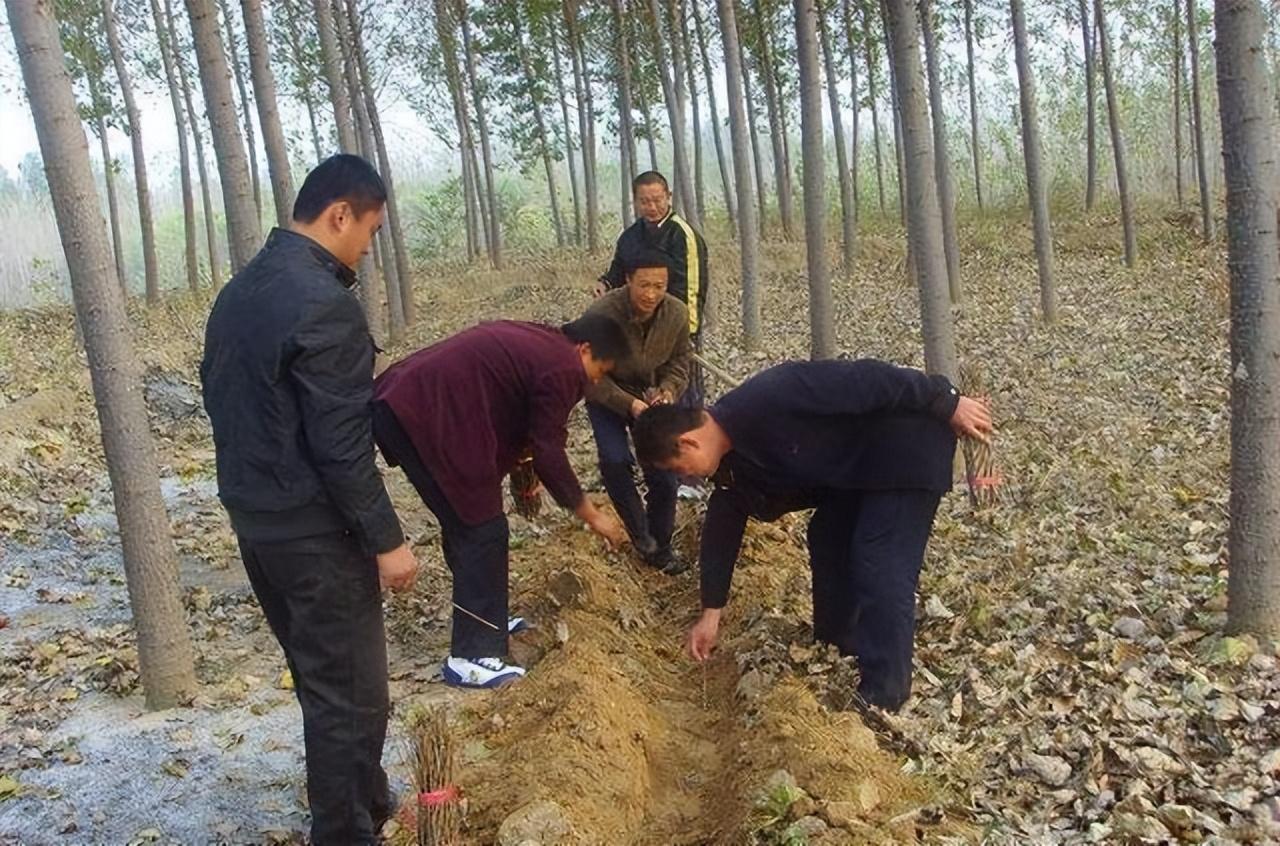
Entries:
{"x":972,"y":419}
{"x":398,"y":569}
{"x":658,"y":396}
{"x":638,"y":407}
{"x":704,"y":634}
{"x":602,"y":523}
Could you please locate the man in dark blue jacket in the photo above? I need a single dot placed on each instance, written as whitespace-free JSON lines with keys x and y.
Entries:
{"x":866,"y":444}
{"x":288,"y":381}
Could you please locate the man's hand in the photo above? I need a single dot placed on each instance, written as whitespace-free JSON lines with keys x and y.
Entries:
{"x":658,"y":396}
{"x":602,"y":524}
{"x":599,"y":290}
{"x":638,"y":407}
{"x":972,"y":419}
{"x":398,"y":569}
{"x":704,"y":634}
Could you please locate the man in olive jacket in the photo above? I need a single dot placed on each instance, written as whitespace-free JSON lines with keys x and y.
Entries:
{"x":654,"y":372}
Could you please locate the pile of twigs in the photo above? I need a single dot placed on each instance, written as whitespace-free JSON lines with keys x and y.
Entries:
{"x":432,"y":762}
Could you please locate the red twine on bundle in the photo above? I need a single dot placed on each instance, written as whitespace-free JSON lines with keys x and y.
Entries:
{"x":440,"y":796}
{"x":986,"y":481}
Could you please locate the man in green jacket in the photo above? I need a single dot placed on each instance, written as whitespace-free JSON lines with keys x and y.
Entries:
{"x":655,"y":371}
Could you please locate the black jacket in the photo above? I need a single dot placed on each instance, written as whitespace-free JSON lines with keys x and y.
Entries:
{"x":804,"y":431}
{"x":687,"y":260}
{"x":288,"y":379}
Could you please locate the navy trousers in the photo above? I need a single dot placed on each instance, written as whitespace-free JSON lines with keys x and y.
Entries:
{"x":651,"y":523}
{"x":866,"y":550}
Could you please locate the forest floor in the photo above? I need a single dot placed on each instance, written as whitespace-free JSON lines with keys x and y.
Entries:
{"x":1073,"y":679}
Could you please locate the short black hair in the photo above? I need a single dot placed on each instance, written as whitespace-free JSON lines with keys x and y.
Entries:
{"x":656,"y":433}
{"x":339,"y":178}
{"x":643,"y":259}
{"x":608,"y":341}
{"x":650,"y":177}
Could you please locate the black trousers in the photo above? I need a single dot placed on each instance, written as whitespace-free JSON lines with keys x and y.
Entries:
{"x":476,"y":555}
{"x":654,"y":519}
{"x":866,"y":550}
{"x":323,"y":602}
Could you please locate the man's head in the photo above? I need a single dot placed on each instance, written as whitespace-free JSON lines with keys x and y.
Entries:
{"x":652,"y":196}
{"x":600,"y":342}
{"x":646,"y":283}
{"x":686,"y":441}
{"x":340,"y":205}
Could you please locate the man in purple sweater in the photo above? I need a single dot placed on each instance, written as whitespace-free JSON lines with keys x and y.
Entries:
{"x":456,"y":417}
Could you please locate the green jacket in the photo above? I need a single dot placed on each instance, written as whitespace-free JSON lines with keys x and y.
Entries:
{"x":659,"y":356}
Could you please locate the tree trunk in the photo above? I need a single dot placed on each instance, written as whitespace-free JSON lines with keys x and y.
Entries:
{"x":941,"y":155}
{"x":853,"y":99}
{"x":243,"y":233}
{"x":166,"y":41}
{"x":202,"y":166}
{"x":1117,"y":139}
{"x":306,"y":93}
{"x":847,"y":213}
{"x":739,"y":138}
{"x":151,"y":267}
{"x":150,"y":560}
{"x":1091,"y":119}
{"x":1177,"y":100}
{"x":674,"y":97}
{"x":726,"y":177}
{"x":568,"y":131}
{"x":482,"y":123}
{"x":924,"y":219}
{"x":264,"y":94}
{"x":1248,"y":144}
{"x":331,"y":58}
{"x":974,"y":140}
{"x":539,"y":122}
{"x":400,"y":300}
{"x":1037,"y":192}
{"x":233,"y":48}
{"x":897,"y":125}
{"x":875,"y":108}
{"x":822,"y":332}
{"x":626,"y":132}
{"x":1202,"y":168}
{"x":113,"y":204}
{"x":646,"y":113}
{"x":756,"y":158}
{"x":777,"y":127}
{"x":691,"y":78}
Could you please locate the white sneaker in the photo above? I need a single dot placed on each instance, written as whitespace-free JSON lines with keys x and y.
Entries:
{"x":689,"y":492}
{"x":516,"y":624}
{"x":480,"y":672}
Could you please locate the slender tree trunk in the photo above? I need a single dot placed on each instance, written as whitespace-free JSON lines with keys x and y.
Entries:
{"x":847,"y":213}
{"x":739,"y":138}
{"x":400,"y":301}
{"x":756,"y":158}
{"x":307,"y":95}
{"x":626,"y":132}
{"x":522,"y":51}
{"x":1202,"y":168}
{"x":264,"y":94}
{"x":113,"y":204}
{"x":974,"y":140}
{"x":646,"y":113}
{"x":1037,"y":192}
{"x":202,"y":166}
{"x":165,"y":42}
{"x":151,"y":266}
{"x":822,"y":332}
{"x":1177,"y":100}
{"x":331,"y":59}
{"x":875,"y":99}
{"x":482,"y":123}
{"x":941,"y":155}
{"x":1117,"y":140}
{"x":243,"y":233}
{"x":233,"y":48}
{"x":150,"y":561}
{"x":1248,"y":143}
{"x":897,"y":124}
{"x":777,"y":127}
{"x":681,"y":25}
{"x":568,"y":131}
{"x":586,"y":121}
{"x":853,"y":99}
{"x":1091,"y":119}
{"x":726,"y":177}
{"x":684,"y":199}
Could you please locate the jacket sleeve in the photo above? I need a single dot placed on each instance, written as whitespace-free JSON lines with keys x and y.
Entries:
{"x":614,"y":277}
{"x":860,"y":387}
{"x":333,"y":374}
{"x":610,"y":394}
{"x":673,"y":374}
{"x":688,"y":254}
{"x":722,"y":532}
{"x":553,"y":398}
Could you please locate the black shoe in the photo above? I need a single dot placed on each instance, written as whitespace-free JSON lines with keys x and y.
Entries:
{"x":667,"y":562}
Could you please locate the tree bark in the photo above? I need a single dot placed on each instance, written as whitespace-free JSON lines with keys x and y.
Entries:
{"x":646,"y":113}
{"x":695,"y":112}
{"x":233,"y":48}
{"x":1177,"y":100}
{"x":331,"y":58}
{"x":941,"y":155}
{"x":853,"y":99}
{"x":150,"y":560}
{"x":626,"y":132}
{"x":675,"y":100}
{"x":974,"y":141}
{"x":726,"y":176}
{"x":822,"y":332}
{"x":739,"y":138}
{"x":1037,"y":192}
{"x":847,"y":207}
{"x":446,"y":36}
{"x":113,"y":203}
{"x":875,"y":108}
{"x":166,"y":40}
{"x":544,"y":144}
{"x":756,"y":158}
{"x":264,"y":94}
{"x":486,"y":151}
{"x":777,"y":127}
{"x":243,"y":233}
{"x":305,"y":92}
{"x":1117,"y":139}
{"x":1091,"y":119}
{"x":1248,"y":145}
{"x":568,"y":131}
{"x":202,"y":166}
{"x":897,"y":125}
{"x":1202,"y":168}
{"x":151,"y":267}
{"x":586,"y":121}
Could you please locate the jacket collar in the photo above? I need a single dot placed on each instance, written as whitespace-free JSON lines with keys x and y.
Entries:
{"x":288,"y":240}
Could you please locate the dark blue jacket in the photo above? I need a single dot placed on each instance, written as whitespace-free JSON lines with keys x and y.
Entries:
{"x":807,"y":430}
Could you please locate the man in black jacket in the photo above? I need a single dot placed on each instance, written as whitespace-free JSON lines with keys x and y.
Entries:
{"x":288,"y":381}
{"x":866,"y":444}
